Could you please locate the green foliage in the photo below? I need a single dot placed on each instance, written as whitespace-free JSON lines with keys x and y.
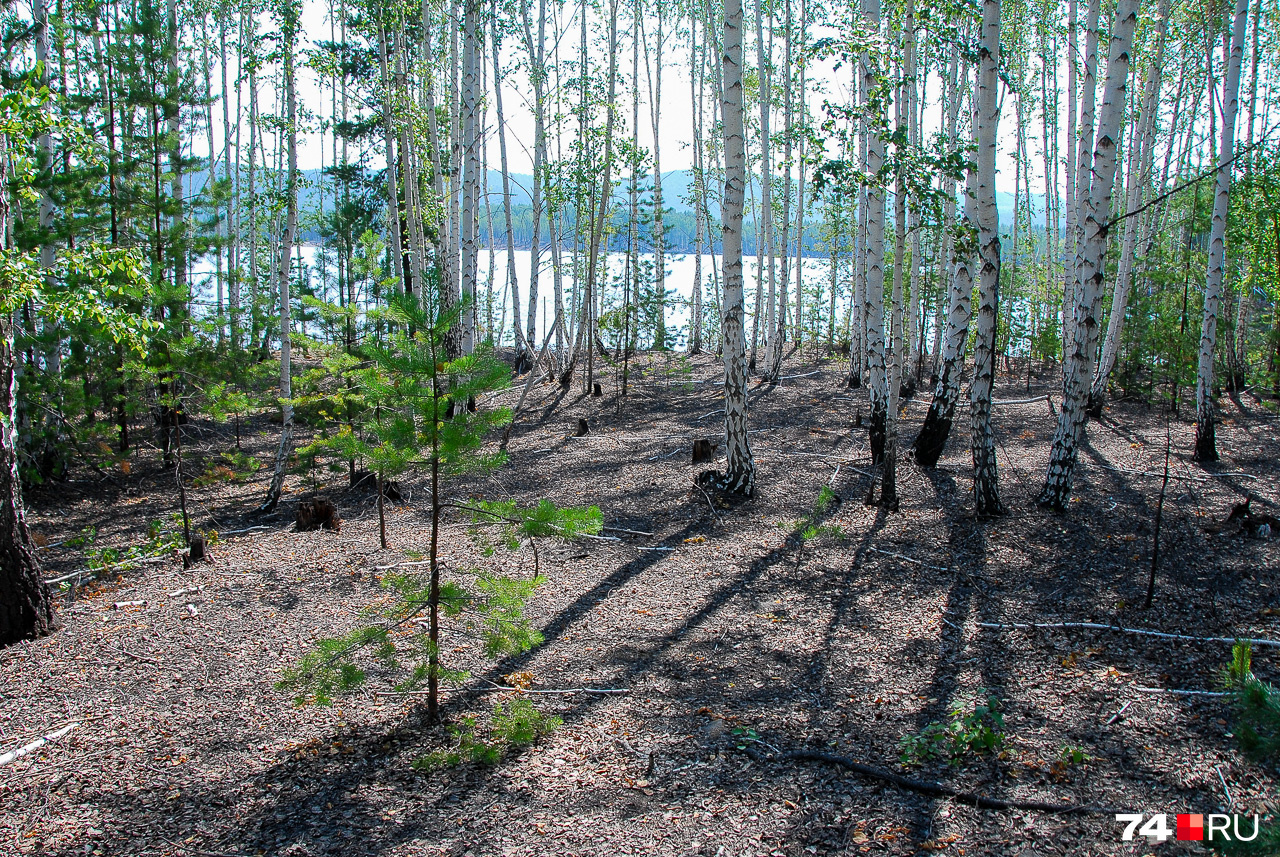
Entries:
{"x":487,"y":606}
{"x":407,"y":405}
{"x":503,"y":522}
{"x":1071,"y":755}
{"x":233,"y":467}
{"x":810,"y":526}
{"x":329,"y":669}
{"x":519,"y":724}
{"x":162,"y":538}
{"x":976,"y":726}
{"x":1257,"y":705}
{"x":513,"y":726}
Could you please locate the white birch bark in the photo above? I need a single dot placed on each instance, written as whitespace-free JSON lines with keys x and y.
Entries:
{"x":1140,"y":165}
{"x":740,"y":469}
{"x":1079,"y":367}
{"x":470,"y":262}
{"x":1206,"y":445}
{"x":877,"y":379}
{"x":933,"y":434}
{"x":986,"y":493}
{"x":288,"y":32}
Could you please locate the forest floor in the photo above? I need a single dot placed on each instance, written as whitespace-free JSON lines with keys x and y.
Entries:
{"x":737,"y":632}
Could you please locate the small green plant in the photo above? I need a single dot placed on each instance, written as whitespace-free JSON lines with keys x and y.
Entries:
{"x":519,"y":724}
{"x":745,"y":735}
{"x":513,"y":726}
{"x":976,"y":726}
{"x":810,"y":526}
{"x":1257,"y":705}
{"x":1071,"y":755}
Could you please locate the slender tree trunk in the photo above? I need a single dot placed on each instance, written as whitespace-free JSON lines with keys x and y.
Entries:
{"x":986,"y":493}
{"x":1140,"y":164}
{"x":764,"y":215}
{"x":740,"y":473}
{"x":1079,"y":368}
{"x":288,"y":32}
{"x":522,"y":347}
{"x":1206,"y":445}
{"x":874,"y":248}
{"x":538,"y":74}
{"x":898,"y":345}
{"x":946,"y":393}
{"x":695,"y":95}
{"x":472,"y":53}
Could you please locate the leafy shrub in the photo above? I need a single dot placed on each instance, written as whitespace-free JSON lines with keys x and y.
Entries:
{"x":976,"y":726}
{"x":513,"y":726}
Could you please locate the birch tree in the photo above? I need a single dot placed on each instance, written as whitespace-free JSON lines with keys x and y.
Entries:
{"x":1206,"y":446}
{"x":1096,"y":222}
{"x":740,"y":469}
{"x":288,"y":12}
{"x":933,"y":434}
{"x":986,"y":116}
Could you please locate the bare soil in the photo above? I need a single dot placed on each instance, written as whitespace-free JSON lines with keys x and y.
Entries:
{"x":737,"y":632}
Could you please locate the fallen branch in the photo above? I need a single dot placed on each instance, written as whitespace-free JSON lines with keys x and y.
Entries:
{"x":1123,"y":630}
{"x":927,"y":787}
{"x":245,"y":530}
{"x":503,"y":688}
{"x":624,"y":530}
{"x":1175,"y":692}
{"x":1030,"y":401}
{"x":908,"y":559}
{"x":805,"y":375}
{"x":6,"y":758}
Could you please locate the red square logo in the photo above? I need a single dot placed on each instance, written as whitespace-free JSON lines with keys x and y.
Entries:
{"x":1190,"y":827}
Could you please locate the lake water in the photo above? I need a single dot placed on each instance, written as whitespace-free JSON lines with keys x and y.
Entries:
{"x":680,"y":270}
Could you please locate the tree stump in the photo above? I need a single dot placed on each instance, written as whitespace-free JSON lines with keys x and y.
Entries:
{"x":583,"y":429}
{"x":195,"y":552}
{"x":317,"y":514}
{"x":703,"y":450}
{"x":596,"y":390}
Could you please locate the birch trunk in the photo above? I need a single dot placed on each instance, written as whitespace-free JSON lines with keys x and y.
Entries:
{"x":1079,"y":368}
{"x":897,"y":343}
{"x":1140,"y":165}
{"x":874,"y":249}
{"x":288,"y":31}
{"x":1206,"y":445}
{"x":933,"y":434}
{"x":740,"y":468}
{"x":538,"y":74}
{"x":513,"y":281}
{"x":471,"y":53}
{"x":764,"y":216}
{"x":986,"y":493}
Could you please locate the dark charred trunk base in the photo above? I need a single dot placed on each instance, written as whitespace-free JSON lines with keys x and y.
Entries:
{"x":730,"y":489}
{"x":1206,"y":441}
{"x":878,"y":433}
{"x":317,"y":514}
{"x":26,"y":607}
{"x":932,"y":439}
